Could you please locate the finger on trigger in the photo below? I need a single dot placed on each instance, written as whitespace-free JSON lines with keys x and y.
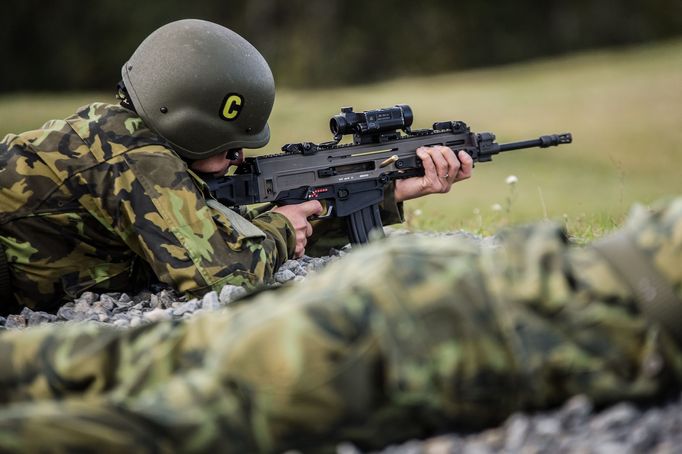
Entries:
{"x":312,"y":207}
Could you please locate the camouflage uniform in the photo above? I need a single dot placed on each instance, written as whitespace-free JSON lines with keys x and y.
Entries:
{"x":98,"y":202}
{"x":399,"y":339}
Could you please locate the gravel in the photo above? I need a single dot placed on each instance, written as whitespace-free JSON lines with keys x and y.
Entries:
{"x":576,"y":427}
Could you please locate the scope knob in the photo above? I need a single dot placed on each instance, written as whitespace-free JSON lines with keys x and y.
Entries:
{"x":346,"y":109}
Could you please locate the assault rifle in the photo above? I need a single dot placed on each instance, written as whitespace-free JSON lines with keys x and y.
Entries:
{"x":349,"y":179}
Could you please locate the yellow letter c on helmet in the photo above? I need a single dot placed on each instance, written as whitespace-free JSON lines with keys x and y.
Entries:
{"x":231,"y":107}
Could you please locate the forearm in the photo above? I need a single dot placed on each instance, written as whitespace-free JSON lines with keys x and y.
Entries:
{"x":281,"y":232}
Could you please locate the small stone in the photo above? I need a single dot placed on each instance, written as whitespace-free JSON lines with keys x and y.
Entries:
{"x":166,"y":298}
{"x":346,"y":448}
{"x":610,"y":447}
{"x":186,"y":308}
{"x":135,"y":313}
{"x":444,"y":444}
{"x":643,"y":438}
{"x":121,"y":323}
{"x":646,"y":432}
{"x":135,"y":321}
{"x":142,"y":297}
{"x":157,"y":315}
{"x":107,"y":302}
{"x":614,"y":418}
{"x":575,"y":412}
{"x":291,"y":265}
{"x":39,"y":317}
{"x":99,"y":308}
{"x":81,"y":306}
{"x":317,"y":263}
{"x":477,"y":447}
{"x":283,"y":276}
{"x":517,"y":431}
{"x":124,"y":300}
{"x":120,"y":310}
{"x":210,"y":301}
{"x":547,"y":426}
{"x":15,"y":321}
{"x":231,"y":293}
{"x":66,"y":312}
{"x":493,"y":438}
{"x":26,"y":312}
{"x":3,"y":320}
{"x":92,"y":317}
{"x":88,"y":297}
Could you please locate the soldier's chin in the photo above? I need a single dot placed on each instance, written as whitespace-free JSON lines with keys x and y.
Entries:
{"x":222,"y":172}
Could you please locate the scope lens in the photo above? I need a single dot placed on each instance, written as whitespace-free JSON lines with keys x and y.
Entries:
{"x":408,"y":118}
{"x":338,"y":125}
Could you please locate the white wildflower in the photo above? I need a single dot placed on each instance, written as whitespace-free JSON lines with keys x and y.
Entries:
{"x":512,"y":180}
{"x":417,"y":212}
{"x":496,"y":207}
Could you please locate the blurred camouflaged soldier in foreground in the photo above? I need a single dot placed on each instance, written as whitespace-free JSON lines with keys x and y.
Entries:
{"x":110,"y":200}
{"x":400,"y":339}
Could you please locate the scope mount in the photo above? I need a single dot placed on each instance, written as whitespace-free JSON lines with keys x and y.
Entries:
{"x":310,"y":148}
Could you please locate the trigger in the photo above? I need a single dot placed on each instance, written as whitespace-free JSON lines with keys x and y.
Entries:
{"x":327,"y":210}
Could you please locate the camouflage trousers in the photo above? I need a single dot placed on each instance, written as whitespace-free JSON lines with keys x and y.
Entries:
{"x":397,"y":340}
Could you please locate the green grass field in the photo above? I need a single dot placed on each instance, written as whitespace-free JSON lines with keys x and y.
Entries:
{"x":624,"y":108}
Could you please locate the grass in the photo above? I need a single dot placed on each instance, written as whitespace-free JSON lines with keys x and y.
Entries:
{"x":624,"y":108}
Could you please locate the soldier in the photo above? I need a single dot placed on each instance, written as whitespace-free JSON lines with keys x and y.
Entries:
{"x":109,"y":199}
{"x":400,"y":339}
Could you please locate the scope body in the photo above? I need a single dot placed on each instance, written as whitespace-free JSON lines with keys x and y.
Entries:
{"x":371,"y":123}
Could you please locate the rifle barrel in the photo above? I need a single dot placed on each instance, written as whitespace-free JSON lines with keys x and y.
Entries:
{"x":542,"y":142}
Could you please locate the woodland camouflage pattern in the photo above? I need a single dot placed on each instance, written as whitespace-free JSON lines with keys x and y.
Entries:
{"x":399,"y":339}
{"x":98,"y":202}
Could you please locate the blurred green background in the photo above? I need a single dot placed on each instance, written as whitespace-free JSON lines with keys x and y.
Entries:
{"x":610,"y":72}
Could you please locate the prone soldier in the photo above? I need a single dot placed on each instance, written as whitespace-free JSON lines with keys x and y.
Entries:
{"x":109,"y":199}
{"x":400,"y":339}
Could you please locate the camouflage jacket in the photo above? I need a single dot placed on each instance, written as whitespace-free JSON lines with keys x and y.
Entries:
{"x":99,"y":202}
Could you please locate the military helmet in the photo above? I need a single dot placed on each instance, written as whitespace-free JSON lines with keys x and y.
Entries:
{"x":201,"y":87}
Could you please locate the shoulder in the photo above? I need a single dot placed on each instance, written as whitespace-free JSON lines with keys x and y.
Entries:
{"x":111,"y":126}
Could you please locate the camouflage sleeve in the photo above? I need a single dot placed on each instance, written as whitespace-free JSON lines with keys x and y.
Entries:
{"x":148,"y":199}
{"x":397,"y":340}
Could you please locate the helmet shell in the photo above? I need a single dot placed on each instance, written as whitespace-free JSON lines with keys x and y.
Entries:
{"x":201,"y":87}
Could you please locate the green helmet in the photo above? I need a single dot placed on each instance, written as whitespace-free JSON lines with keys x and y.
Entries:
{"x":201,"y":87}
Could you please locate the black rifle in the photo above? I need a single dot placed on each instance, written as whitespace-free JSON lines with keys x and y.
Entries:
{"x":350,"y":178}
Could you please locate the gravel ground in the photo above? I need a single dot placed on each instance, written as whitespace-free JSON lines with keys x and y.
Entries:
{"x":574,"y":428}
